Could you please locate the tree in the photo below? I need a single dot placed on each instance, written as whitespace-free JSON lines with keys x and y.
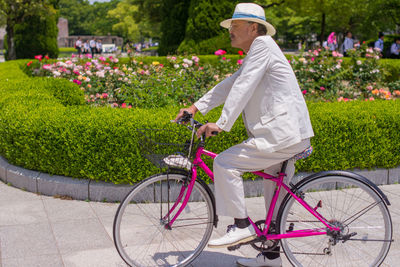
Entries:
{"x":173,"y":25}
{"x":130,"y":25}
{"x":37,"y":35}
{"x":203,"y":27}
{"x":125,"y":25}
{"x":15,"y":12}
{"x":88,"y":19}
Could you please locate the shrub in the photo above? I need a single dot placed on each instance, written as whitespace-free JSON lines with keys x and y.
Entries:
{"x":51,"y":132}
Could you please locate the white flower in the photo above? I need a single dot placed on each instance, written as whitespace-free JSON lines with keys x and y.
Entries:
{"x":338,"y":66}
{"x":188,"y":62}
{"x":359,"y":62}
{"x":176,"y":66}
{"x":185,"y":65}
{"x":56,"y":73}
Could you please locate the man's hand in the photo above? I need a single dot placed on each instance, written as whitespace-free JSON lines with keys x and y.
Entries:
{"x":192,"y":110}
{"x":208,"y":128}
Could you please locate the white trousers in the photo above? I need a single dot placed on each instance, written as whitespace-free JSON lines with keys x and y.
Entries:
{"x":245,"y":157}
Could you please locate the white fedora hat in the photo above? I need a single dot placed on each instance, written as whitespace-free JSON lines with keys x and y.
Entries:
{"x":249,"y":12}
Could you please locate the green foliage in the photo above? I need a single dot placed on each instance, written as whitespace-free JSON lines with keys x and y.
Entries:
{"x":88,"y":19}
{"x":354,"y":135}
{"x":173,"y":25}
{"x":203,"y":25}
{"x":37,"y":35}
{"x":44,"y":127}
{"x":208,"y":46}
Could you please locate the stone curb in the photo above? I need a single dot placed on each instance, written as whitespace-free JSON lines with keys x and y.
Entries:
{"x":83,"y":189}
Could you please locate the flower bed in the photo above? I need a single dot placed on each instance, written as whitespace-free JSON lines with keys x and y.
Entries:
{"x":322,"y":75}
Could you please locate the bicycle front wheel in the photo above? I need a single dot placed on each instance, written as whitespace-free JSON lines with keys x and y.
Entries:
{"x":352,"y":205}
{"x":140,"y":233}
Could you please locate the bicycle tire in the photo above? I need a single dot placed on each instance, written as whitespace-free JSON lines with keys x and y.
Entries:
{"x":350,"y":203}
{"x":139,"y":230}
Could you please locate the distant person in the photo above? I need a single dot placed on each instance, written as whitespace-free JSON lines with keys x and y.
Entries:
{"x":379,"y":42}
{"x":86,"y":47}
{"x":348,"y":43}
{"x":92,"y":45}
{"x":332,"y":42}
{"x":395,"y":49}
{"x":300,"y":46}
{"x":78,"y":46}
{"x":99,"y":46}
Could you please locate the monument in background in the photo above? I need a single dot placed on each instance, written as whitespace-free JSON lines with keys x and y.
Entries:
{"x":65,"y":40}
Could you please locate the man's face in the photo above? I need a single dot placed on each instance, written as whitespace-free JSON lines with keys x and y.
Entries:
{"x":241,"y":34}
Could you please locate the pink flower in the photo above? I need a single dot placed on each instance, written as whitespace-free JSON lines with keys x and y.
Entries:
{"x":115,"y":105}
{"x":88,"y":63}
{"x":105,"y":95}
{"x":334,"y":54}
{"x":129,"y":106}
{"x":312,"y":59}
{"x":102,"y":58}
{"x":39,"y":57}
{"x":123,"y":105}
{"x":29,"y":63}
{"x":322,"y":88}
{"x":77,"y":82}
{"x":240,"y":61}
{"x":289,"y":61}
{"x":223,"y":58}
{"x":195,"y":59}
{"x":304,"y":92}
{"x":220,"y":52}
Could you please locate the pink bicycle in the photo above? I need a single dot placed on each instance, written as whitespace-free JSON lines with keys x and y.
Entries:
{"x":331,"y":218}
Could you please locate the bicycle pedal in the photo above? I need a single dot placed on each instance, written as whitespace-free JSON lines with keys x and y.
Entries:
{"x":237,"y":246}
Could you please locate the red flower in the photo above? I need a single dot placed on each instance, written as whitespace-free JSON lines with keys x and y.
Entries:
{"x":240,"y":52}
{"x":304,"y":92}
{"x":123,"y":105}
{"x":29,"y":63}
{"x":46,"y":57}
{"x":39,"y":57}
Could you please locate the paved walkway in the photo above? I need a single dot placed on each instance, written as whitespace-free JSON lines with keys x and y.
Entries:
{"x":45,"y":231}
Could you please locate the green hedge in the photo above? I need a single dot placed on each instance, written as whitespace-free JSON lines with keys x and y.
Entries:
{"x":45,"y":127}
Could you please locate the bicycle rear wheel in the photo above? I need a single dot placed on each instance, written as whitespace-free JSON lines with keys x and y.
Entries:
{"x":348,"y":203}
{"x":140,"y":235}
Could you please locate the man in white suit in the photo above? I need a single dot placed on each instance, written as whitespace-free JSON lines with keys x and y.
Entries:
{"x":266,"y":92}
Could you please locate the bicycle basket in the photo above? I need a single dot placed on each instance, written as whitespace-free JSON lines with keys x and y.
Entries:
{"x":165,"y":148}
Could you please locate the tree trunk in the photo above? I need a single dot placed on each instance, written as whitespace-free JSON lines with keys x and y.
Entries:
{"x":322,"y":36}
{"x":11,"y":53}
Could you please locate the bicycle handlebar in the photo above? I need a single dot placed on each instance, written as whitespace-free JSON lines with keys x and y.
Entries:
{"x":188,"y":117}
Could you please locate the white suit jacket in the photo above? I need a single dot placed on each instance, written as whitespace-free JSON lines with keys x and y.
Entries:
{"x":266,"y":92}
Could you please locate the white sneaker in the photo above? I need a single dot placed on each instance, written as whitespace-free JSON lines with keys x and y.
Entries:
{"x":233,"y":236}
{"x":260,"y":261}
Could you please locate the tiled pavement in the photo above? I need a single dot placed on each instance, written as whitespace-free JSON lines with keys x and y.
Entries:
{"x":45,"y":231}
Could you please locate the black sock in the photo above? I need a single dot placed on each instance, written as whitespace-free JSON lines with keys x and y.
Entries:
{"x":242,"y":223}
{"x":272,"y":254}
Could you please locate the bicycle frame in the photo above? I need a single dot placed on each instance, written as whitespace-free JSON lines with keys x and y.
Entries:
{"x":198,"y":162}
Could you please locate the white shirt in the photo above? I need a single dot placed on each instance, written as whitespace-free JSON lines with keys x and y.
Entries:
{"x":92,"y":43}
{"x":86,"y":45}
{"x":99,"y":45}
{"x":266,"y":91}
{"x":78,"y":43}
{"x":394,"y":49}
{"x":348,"y":44}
